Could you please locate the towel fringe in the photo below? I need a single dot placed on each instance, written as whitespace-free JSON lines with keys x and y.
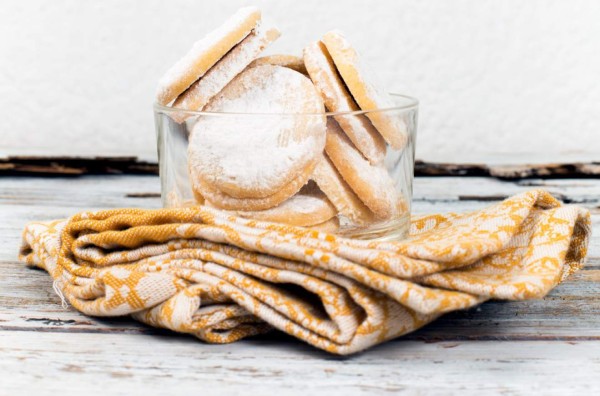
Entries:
{"x":63,"y":301}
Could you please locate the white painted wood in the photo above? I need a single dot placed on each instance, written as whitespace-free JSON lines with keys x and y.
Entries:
{"x":24,"y":199}
{"x":44,"y":348}
{"x":111,"y":191}
{"x":107,"y":364}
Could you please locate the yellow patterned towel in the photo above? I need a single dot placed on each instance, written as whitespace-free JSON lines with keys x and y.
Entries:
{"x":222,"y":278}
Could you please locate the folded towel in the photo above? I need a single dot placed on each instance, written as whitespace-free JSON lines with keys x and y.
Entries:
{"x":223,"y":278}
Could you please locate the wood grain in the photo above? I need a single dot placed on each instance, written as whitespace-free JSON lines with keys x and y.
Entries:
{"x":502,"y":347}
{"x":510,"y":172}
{"x":76,"y":166}
{"x":101,"y":363}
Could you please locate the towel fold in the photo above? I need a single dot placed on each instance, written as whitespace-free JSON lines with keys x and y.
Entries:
{"x":223,"y":278}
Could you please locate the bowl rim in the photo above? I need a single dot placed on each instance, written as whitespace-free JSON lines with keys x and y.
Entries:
{"x":413,"y":103}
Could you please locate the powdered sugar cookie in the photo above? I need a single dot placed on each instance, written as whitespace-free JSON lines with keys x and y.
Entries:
{"x":221,"y":200}
{"x":340,"y":194}
{"x":173,"y":200}
{"x":371,"y":183}
{"x":359,"y":129}
{"x":255,"y":156}
{"x":330,"y":226}
{"x":310,"y":206}
{"x":290,"y":61}
{"x":367,"y":97}
{"x":205,"y":53}
{"x":232,"y":64}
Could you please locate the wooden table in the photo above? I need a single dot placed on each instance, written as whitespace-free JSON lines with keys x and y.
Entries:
{"x":550,"y":346}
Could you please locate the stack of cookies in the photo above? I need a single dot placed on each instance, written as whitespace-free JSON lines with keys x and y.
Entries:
{"x":265,"y":148}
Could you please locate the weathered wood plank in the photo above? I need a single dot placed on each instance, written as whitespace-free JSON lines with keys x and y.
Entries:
{"x":510,"y":171}
{"x":74,"y":166}
{"x":42,"y":190}
{"x":120,"y":355}
{"x":81,"y":363}
{"x":585,"y":192}
{"x":78,"y":193}
{"x":106,"y":191}
{"x":27,"y":199}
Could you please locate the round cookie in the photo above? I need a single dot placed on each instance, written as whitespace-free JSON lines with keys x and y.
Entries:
{"x":255,"y":155}
{"x":347,"y":62}
{"x":330,"y":226}
{"x":221,"y":200}
{"x":205,"y":53}
{"x":290,"y":61}
{"x":336,"y":97}
{"x":371,"y":183}
{"x":173,"y":200}
{"x":225,"y":70}
{"x":340,"y":194}
{"x":310,"y":206}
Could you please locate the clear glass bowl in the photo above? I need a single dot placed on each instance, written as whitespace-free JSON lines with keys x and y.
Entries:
{"x":382,"y":183}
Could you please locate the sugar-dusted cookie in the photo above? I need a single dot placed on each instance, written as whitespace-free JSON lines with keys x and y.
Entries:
{"x":354,"y":75}
{"x":340,"y":194}
{"x":359,"y":129}
{"x":232,"y":64}
{"x":205,"y":53}
{"x":330,"y":226}
{"x":173,"y":200}
{"x":371,"y":183}
{"x":290,"y":61}
{"x":310,"y":206}
{"x":255,"y":155}
{"x":221,"y":200}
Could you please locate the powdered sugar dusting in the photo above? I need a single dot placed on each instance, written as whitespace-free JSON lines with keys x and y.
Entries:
{"x":310,"y":206}
{"x":291,"y":61}
{"x":371,"y":183}
{"x":253,"y":152}
{"x":200,"y":48}
{"x":337,"y":98}
{"x":365,"y":92}
{"x":198,"y":95}
{"x":339,"y":193}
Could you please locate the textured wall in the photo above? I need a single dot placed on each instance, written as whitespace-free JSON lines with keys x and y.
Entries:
{"x":493,"y":77}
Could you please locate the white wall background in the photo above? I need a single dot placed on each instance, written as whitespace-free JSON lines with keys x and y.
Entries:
{"x":493,"y":77}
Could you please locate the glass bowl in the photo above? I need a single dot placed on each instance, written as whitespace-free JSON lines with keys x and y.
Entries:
{"x":366,"y":183}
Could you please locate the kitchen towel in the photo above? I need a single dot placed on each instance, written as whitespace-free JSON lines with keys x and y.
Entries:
{"x":222,"y":278}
